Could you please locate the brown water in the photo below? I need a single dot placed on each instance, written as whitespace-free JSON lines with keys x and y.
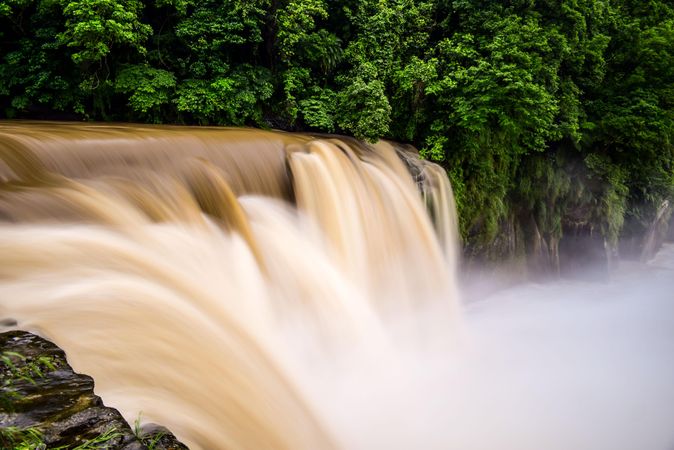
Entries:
{"x":215,"y":278}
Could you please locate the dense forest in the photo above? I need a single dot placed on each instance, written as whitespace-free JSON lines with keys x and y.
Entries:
{"x":547,"y":115}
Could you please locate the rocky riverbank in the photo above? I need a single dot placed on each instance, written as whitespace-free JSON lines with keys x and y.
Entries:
{"x":45,"y":404}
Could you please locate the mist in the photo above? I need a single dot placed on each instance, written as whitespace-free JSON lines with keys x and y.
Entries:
{"x":559,"y":365}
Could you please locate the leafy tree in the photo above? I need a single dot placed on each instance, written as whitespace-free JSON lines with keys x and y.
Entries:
{"x":149,"y":89}
{"x":546,"y":114}
{"x":33,"y":75}
{"x":633,"y":111}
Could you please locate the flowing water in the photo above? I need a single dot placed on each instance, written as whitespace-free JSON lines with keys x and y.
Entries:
{"x":265,"y":290}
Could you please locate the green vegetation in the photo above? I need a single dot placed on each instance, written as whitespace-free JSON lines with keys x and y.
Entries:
{"x":21,"y":438}
{"x":31,"y":439}
{"x":558,"y":113}
{"x":15,"y":368}
{"x":20,"y":367}
{"x":150,"y":440}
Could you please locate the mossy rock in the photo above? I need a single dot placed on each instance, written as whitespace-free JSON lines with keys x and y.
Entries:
{"x":42,"y":399}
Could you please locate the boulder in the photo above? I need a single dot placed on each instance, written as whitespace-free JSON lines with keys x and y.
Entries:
{"x":42,"y":400}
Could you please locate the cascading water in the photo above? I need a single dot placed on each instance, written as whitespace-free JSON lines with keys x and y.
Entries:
{"x":172,"y":265}
{"x":264,"y":290}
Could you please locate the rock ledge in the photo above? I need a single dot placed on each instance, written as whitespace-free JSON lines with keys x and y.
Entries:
{"x":43,"y":400}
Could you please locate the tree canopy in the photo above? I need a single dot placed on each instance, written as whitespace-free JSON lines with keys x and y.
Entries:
{"x":553,"y":111}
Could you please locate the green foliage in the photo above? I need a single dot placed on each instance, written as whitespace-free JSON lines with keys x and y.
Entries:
{"x":21,"y":438}
{"x":93,"y":27}
{"x":16,"y":368}
{"x":557,"y":111}
{"x":633,"y":115}
{"x":214,"y":31}
{"x":235,"y":99}
{"x":614,"y":196}
{"x":150,"y":441}
{"x":31,"y":439}
{"x":100,"y":441}
{"x":318,"y":110}
{"x":35,"y":71}
{"x":296,"y":22}
{"x":149,"y":89}
{"x":364,"y":108}
{"x":20,"y":367}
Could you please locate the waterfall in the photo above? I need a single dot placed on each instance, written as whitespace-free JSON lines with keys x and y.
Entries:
{"x":214,"y":279}
{"x":264,"y":290}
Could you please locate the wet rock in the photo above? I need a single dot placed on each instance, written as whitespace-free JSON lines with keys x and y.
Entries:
{"x":642,"y":237}
{"x":158,"y":437}
{"x":40,"y":391}
{"x":584,"y":253}
{"x":657,"y":231}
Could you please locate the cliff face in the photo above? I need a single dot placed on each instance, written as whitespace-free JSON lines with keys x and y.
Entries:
{"x":44,"y":402}
{"x":523,"y":250}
